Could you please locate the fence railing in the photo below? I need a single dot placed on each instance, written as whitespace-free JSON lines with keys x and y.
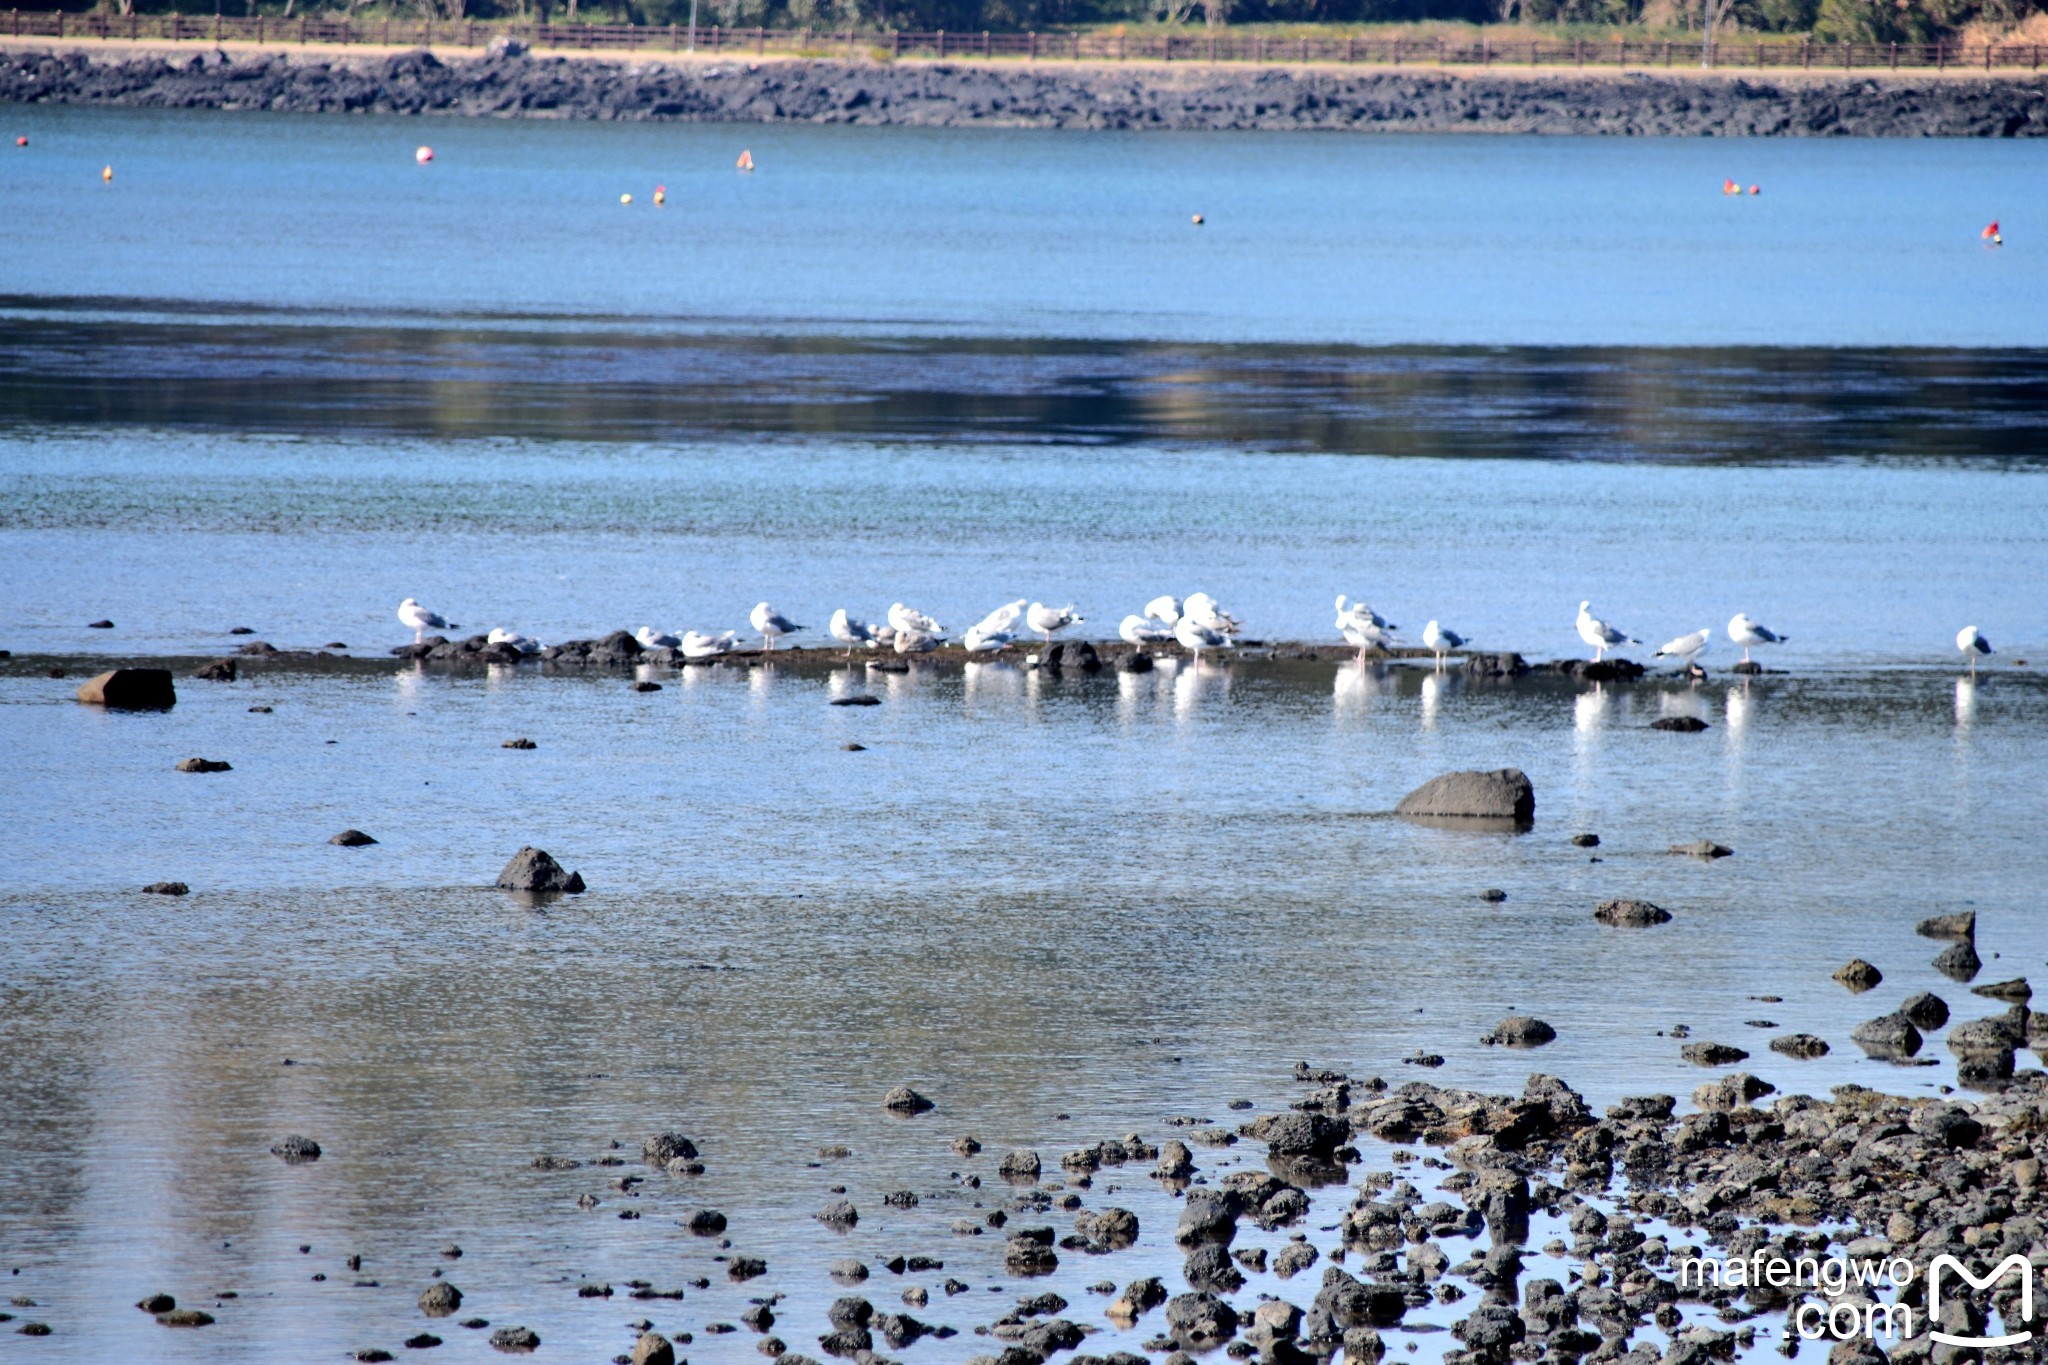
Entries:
{"x":1206,"y":45}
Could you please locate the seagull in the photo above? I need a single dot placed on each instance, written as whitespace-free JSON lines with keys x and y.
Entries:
{"x":1198,"y":637}
{"x":650,"y":638}
{"x":1164,"y":608}
{"x":1600,"y":635}
{"x":1686,"y":648}
{"x":1972,"y":644}
{"x":1364,"y":634}
{"x":850,"y":632}
{"x":1358,"y":611}
{"x":1203,"y":611}
{"x":906,"y":619}
{"x":525,"y":644}
{"x":917,"y":641}
{"x":1746,"y":633}
{"x":771,"y":624}
{"x":1001,"y":619}
{"x":1144,"y":630}
{"x":979,"y":641}
{"x":1440,"y":641}
{"x":421,"y":620}
{"x":697,"y":645}
{"x":1045,"y":620}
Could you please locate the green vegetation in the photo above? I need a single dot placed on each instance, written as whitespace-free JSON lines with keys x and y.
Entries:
{"x":1422,"y":21}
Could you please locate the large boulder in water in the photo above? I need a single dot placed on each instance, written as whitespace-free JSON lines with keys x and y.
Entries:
{"x":1502,"y":795}
{"x":531,"y":869}
{"x":131,"y":689}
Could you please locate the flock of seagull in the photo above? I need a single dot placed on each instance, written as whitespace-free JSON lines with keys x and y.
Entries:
{"x":1196,"y":623}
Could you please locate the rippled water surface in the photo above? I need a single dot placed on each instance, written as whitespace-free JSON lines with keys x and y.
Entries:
{"x":1473,"y":379}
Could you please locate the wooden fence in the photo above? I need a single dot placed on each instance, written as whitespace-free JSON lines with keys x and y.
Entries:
{"x":1206,"y":45}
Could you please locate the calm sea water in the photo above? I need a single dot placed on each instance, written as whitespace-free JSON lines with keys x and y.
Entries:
{"x":277,"y":376}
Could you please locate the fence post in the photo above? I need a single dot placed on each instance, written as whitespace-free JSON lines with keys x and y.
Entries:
{"x":760,"y":40}
{"x":942,"y":44}
{"x":1621,"y":56}
{"x":984,"y":43}
{"x":1439,"y":52}
{"x":1350,"y":49}
{"x":60,"y":23}
{"x":1397,"y":52}
{"x":1987,"y":54}
{"x":895,"y":42}
{"x":1032,"y":37}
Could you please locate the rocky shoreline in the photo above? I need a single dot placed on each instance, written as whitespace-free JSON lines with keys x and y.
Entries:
{"x":516,"y":84}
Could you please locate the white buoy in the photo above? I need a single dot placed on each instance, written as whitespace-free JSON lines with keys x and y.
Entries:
{"x":423,"y":155}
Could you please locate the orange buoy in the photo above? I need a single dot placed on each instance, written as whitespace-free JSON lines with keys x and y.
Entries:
{"x":106,"y":173}
{"x":660,"y":195}
{"x":1198,"y":220}
{"x":1730,"y":187}
{"x":746,"y":162}
{"x":21,"y":142}
{"x":1756,"y":189}
{"x":423,"y":155}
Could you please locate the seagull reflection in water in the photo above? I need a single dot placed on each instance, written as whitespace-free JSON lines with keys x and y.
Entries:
{"x":1434,"y":685}
{"x":1966,"y":702}
{"x":1358,"y":684}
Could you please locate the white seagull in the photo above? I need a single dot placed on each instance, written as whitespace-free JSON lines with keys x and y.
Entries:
{"x":1166,"y":608}
{"x":1001,"y":619}
{"x":1600,"y":635}
{"x":979,"y":641}
{"x":850,"y":632}
{"x":1747,"y":633}
{"x":1203,"y":611}
{"x":421,"y":620}
{"x":697,"y":645}
{"x":650,"y":638}
{"x":1972,"y":644}
{"x":771,"y":624}
{"x":1363,"y":634}
{"x":917,"y":641}
{"x":525,"y":644}
{"x":1440,"y":641}
{"x":1045,"y":620}
{"x":1198,"y":637}
{"x":915,"y":622}
{"x":1144,"y":630}
{"x":1358,"y":611}
{"x":1686,"y":648}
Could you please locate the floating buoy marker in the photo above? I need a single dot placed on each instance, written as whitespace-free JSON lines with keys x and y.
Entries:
{"x":660,"y":195}
{"x":1991,"y":234}
{"x":1198,"y":220}
{"x":423,"y":155}
{"x":106,"y":173}
{"x":21,"y":142}
{"x":625,"y":199}
{"x":746,"y":162}
{"x":1756,"y":189}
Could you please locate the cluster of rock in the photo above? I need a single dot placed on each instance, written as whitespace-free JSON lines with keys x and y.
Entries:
{"x":511,"y":83}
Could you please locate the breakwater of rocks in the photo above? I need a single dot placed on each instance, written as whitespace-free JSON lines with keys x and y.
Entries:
{"x":511,"y":83}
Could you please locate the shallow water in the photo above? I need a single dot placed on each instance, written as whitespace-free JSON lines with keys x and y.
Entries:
{"x":1119,"y":899}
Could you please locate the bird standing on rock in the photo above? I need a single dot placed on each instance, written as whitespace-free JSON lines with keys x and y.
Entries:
{"x":650,"y":638}
{"x":1193,"y":635}
{"x":1972,"y":643}
{"x":1748,"y":633}
{"x":850,"y":632}
{"x":1045,"y":620}
{"x":909,"y":619}
{"x":421,"y":620}
{"x":1000,"y":620}
{"x":1440,"y":641}
{"x":1686,"y":648}
{"x":771,"y":624}
{"x":697,"y":645}
{"x":1600,"y":635}
{"x":1144,"y":630}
